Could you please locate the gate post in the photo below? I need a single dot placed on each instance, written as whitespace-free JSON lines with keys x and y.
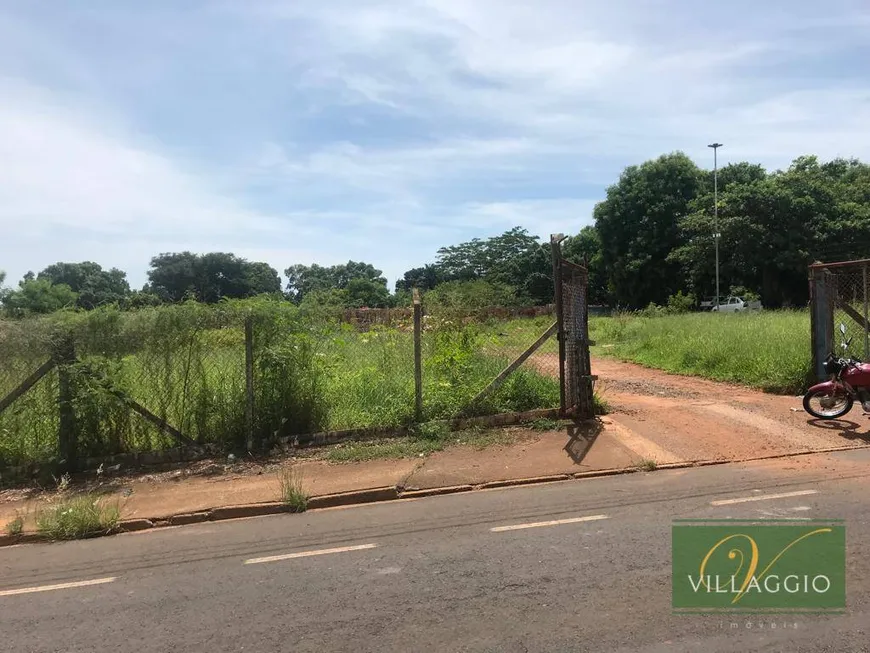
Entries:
{"x":821,"y":318}
{"x":560,"y":322}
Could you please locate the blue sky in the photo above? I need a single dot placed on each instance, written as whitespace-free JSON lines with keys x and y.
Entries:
{"x":300,"y":132}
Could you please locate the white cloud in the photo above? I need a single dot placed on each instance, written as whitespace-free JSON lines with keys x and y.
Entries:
{"x":383,"y":129}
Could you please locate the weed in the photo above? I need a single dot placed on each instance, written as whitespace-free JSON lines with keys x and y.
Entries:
{"x":292,"y":491}
{"x":600,"y":405}
{"x":431,"y":431}
{"x":647,"y":465}
{"x":84,"y":515}
{"x":544,"y":425}
{"x":16,"y":526}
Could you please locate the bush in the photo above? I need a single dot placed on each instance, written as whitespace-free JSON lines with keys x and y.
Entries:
{"x":681,"y":303}
{"x":78,"y":517}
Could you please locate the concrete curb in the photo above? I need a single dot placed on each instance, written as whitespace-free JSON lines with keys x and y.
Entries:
{"x":392,"y":493}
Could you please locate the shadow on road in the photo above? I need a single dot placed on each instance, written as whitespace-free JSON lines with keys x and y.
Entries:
{"x":847,"y":428}
{"x":581,"y":437}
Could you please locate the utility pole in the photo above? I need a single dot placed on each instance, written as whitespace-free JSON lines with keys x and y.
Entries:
{"x":716,"y":147}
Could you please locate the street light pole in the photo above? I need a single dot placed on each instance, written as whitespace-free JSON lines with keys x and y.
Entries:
{"x":716,"y":147}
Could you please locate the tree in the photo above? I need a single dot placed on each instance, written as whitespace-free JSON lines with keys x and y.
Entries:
{"x":585,"y":248}
{"x":424,"y":278}
{"x":475,"y":294}
{"x":638,"y":224}
{"x":209,"y":277}
{"x":93,"y":285}
{"x":365,"y":293}
{"x":493,"y":258}
{"x":772,"y":226}
{"x":305,"y":279}
{"x":38,"y":296}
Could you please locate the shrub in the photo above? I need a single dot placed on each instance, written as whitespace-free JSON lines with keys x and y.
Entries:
{"x":78,"y":517}
{"x":291,"y":489}
{"x":681,"y":303}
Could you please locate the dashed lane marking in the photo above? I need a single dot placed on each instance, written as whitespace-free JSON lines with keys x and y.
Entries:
{"x":763,"y":497}
{"x":307,"y":554}
{"x":555,"y":522}
{"x":60,"y":586}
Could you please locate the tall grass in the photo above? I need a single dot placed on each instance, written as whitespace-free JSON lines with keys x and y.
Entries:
{"x":186,"y":364}
{"x":769,"y":350}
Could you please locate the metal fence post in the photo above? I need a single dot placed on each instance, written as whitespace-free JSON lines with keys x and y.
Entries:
{"x":866,"y":330}
{"x":249,"y":382}
{"x":556,"y":251}
{"x":67,"y":437}
{"x":418,"y":357}
{"x":821,"y":320}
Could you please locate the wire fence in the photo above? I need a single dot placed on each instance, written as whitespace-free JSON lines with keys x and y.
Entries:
{"x":840,"y":294}
{"x":243,"y":375}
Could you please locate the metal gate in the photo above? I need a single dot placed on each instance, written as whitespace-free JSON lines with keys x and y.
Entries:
{"x":572,"y":319}
{"x":839,"y":293}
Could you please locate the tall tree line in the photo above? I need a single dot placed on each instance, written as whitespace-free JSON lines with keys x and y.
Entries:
{"x":652,"y":237}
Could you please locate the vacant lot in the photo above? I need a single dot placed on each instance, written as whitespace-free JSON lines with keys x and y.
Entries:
{"x":186,"y":364}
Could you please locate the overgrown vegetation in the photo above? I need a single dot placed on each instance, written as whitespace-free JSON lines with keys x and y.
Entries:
{"x":769,"y":350}
{"x":647,"y":465}
{"x":292,"y":490}
{"x":185,"y":363}
{"x":16,"y":525}
{"x":76,"y":517}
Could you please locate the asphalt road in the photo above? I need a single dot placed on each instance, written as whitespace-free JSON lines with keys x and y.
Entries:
{"x":432,"y":574}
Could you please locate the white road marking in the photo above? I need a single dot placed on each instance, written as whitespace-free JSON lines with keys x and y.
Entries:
{"x":306,"y":554}
{"x":61,"y":586}
{"x":555,"y":522}
{"x":801,"y":508}
{"x":763,"y":497}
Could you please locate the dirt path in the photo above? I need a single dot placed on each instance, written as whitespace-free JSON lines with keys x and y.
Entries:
{"x":688,"y":418}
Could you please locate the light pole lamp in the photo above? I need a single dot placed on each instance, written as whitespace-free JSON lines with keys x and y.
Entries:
{"x":716,"y":147}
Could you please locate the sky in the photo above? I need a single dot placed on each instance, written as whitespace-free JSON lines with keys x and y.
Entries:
{"x":297,"y":131}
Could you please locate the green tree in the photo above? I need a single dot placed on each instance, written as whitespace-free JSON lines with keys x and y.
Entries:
{"x":585,"y":248}
{"x":365,"y":293}
{"x":424,"y":278}
{"x":93,"y":285}
{"x":475,"y":294}
{"x":771,"y":227}
{"x":209,"y":277}
{"x":38,"y":296}
{"x":305,"y":279}
{"x":638,"y":224}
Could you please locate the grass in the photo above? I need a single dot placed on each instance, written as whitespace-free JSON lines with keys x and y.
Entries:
{"x":433,"y":438}
{"x":292,"y":491}
{"x":186,"y":364}
{"x":16,"y":526}
{"x":544,"y":425}
{"x":77,"y":517}
{"x":768,"y":350}
{"x":647,"y":465}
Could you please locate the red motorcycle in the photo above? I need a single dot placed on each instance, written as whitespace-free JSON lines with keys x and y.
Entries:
{"x":850,"y":381}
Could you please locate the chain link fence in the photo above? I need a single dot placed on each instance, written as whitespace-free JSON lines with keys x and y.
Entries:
{"x":246,"y":375}
{"x":840,"y":294}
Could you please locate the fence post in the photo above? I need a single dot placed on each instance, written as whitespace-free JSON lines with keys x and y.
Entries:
{"x":556,"y":251}
{"x":418,"y":358}
{"x":866,"y":330}
{"x":249,"y":382}
{"x":821,"y":319}
{"x":66,"y":437}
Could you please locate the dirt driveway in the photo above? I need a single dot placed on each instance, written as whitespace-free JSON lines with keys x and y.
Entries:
{"x":680,"y":418}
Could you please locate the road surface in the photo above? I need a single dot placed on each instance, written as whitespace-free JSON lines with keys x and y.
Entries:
{"x":571,"y":566}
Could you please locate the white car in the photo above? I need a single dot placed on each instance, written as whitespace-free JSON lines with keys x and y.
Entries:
{"x":735,"y":305}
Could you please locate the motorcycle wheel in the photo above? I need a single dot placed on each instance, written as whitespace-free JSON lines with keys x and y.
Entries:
{"x":842,"y":406}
